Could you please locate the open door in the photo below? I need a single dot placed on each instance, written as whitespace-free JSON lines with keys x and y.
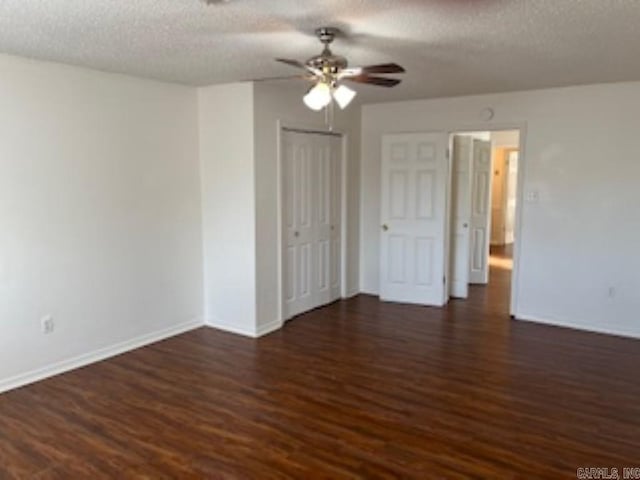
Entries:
{"x":460,"y":215}
{"x":413,"y":218}
{"x":480,"y":212}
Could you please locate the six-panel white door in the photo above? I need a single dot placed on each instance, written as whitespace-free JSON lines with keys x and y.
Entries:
{"x":480,"y":212}
{"x":413,"y":218}
{"x":311,"y":213}
{"x":460,"y":215}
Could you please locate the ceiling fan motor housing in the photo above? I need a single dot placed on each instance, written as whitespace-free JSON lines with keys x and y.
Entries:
{"x":327,"y":62}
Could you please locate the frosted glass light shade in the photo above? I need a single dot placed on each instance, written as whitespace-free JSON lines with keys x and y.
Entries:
{"x":318,"y":97}
{"x":343,"y":96}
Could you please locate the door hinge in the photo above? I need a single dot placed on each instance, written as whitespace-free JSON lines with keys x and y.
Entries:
{"x":444,"y":280}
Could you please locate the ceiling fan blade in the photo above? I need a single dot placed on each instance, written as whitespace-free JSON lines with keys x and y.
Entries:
{"x":349,"y":72}
{"x":379,"y":81}
{"x":297,"y":64}
{"x":292,"y":63}
{"x":286,"y":77}
{"x":383,"y":68}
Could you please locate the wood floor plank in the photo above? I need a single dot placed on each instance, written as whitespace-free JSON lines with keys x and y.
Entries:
{"x":358,"y":389}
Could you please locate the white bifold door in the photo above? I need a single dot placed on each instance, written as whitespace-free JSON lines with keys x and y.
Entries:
{"x":482,"y":176}
{"x":413,"y":218}
{"x":311,"y":193}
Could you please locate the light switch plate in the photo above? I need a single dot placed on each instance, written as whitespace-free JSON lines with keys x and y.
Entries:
{"x":533,"y":196}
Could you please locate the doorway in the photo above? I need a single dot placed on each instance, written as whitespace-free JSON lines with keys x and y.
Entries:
{"x":483,"y":206}
{"x":311,"y":212}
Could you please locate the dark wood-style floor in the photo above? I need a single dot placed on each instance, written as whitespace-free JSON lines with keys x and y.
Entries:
{"x":359,"y":389}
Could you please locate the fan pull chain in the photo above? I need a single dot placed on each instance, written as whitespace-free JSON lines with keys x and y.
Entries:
{"x":329,"y":116}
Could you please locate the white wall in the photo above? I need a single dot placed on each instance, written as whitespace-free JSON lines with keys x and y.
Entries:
{"x":239,"y":163}
{"x":228,"y":206}
{"x":99,"y":215}
{"x":581,"y":238}
{"x":274,"y":102}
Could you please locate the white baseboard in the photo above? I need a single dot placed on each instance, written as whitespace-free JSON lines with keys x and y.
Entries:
{"x":226,"y":327}
{"x":268,"y":328}
{"x":575,"y":326}
{"x":352,"y":293}
{"x":96,"y":356}
{"x":373,"y":293}
{"x":245,"y":332}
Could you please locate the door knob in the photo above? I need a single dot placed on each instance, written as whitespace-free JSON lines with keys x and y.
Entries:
{"x":385,"y":227}
{"x":465,"y":225}
{"x":296,"y":234}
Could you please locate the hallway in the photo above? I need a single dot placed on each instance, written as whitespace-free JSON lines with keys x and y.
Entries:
{"x":495,"y":297}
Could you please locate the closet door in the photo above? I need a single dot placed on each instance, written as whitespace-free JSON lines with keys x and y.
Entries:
{"x":322,"y":170}
{"x":311,"y":186}
{"x":298,"y":160}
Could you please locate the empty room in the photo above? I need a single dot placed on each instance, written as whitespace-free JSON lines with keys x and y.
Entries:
{"x":340,"y":239}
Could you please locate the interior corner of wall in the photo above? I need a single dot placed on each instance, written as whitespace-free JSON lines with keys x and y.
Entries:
{"x":268,"y":328}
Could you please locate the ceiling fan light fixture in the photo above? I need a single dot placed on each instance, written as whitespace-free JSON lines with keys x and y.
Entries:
{"x":328,"y":70}
{"x":318,"y":97}
{"x":343,"y":96}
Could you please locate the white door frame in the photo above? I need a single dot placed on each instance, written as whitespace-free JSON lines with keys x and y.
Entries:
{"x":517,"y":246}
{"x":283,"y":126}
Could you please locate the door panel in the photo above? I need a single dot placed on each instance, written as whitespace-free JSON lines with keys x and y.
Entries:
{"x":290,"y":275}
{"x":460,"y":216}
{"x":398,"y":189}
{"x":413,"y":211}
{"x":323,"y":149}
{"x":298,"y":229}
{"x":480,"y":212}
{"x":305,"y":263}
{"x":335,"y":189}
{"x":424,"y":261}
{"x":397,"y":259}
{"x":324,"y":266}
{"x":425,"y":191}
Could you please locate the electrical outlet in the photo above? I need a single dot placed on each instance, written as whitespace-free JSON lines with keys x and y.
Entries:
{"x":47,"y":324}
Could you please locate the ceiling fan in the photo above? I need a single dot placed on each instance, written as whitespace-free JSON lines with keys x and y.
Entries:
{"x":328,"y":71}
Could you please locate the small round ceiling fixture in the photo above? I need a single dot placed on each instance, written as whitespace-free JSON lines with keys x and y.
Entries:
{"x":487,"y":114}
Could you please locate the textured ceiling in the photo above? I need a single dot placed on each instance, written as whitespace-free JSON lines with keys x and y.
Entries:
{"x":449,"y":47}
